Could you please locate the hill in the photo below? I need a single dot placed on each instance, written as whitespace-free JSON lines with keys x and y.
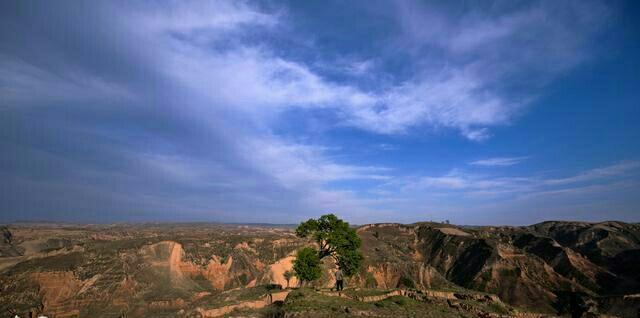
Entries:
{"x":415,"y":270}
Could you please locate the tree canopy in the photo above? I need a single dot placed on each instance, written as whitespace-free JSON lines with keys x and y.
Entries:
{"x":307,"y":265}
{"x":335,"y":239}
{"x":288,"y":275}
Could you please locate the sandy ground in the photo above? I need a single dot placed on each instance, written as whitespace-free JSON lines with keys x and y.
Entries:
{"x":453,"y":231}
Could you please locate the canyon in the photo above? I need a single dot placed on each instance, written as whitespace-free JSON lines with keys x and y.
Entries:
{"x":410,"y":270}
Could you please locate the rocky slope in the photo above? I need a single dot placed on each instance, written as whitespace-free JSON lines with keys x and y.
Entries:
{"x":191,"y":269}
{"x":7,"y":248}
{"x":137,"y":270}
{"x":536,"y":267}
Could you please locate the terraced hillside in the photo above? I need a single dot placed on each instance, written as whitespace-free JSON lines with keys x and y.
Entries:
{"x":111,"y":271}
{"x":417,"y":270}
{"x":545,"y":267}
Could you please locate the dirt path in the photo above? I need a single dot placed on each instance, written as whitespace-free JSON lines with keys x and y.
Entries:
{"x":252,"y":304}
{"x":451,"y":298}
{"x":275,"y":272}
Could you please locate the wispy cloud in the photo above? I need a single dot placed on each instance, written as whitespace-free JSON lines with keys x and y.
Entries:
{"x":201,"y":19}
{"x":446,"y":93}
{"x":211,"y":80}
{"x":488,"y":185}
{"x":618,"y":169}
{"x":22,"y":83}
{"x":297,"y":166}
{"x":499,"y":161}
{"x":482,"y":54}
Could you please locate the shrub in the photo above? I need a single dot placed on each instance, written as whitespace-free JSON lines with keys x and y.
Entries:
{"x":307,"y":265}
{"x":406,"y":282}
{"x":370,"y":281}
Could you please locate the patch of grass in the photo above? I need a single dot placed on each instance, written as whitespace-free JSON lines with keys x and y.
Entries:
{"x":370,"y":281}
{"x":508,"y":272}
{"x":62,"y":262}
{"x":113,"y":247}
{"x":203,"y":283}
{"x":400,"y":301}
{"x":163,"y":290}
{"x":20,"y":294}
{"x":497,"y":308}
{"x":235,"y":296}
{"x":365,"y":292}
{"x":308,"y":303}
{"x":254,"y":293}
{"x":406,"y":282}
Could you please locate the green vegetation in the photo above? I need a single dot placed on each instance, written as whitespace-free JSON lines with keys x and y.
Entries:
{"x":203,"y":283}
{"x":121,"y":270}
{"x":19,"y":295}
{"x":62,"y":262}
{"x":305,"y":302}
{"x":235,"y":296}
{"x":307,"y":265}
{"x":113,"y":247}
{"x":254,"y":293}
{"x":336,"y":239}
{"x":370,"y":281}
{"x":288,"y":275}
{"x":406,"y":282}
{"x":364,"y":292}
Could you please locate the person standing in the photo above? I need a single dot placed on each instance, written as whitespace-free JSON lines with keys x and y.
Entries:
{"x":339,"y":280}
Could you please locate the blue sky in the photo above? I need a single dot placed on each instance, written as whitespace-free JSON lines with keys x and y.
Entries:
{"x":492,"y":112}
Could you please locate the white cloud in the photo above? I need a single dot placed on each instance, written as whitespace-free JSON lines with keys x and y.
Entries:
{"x":254,"y":80}
{"x":483,"y":185}
{"x":450,"y":100}
{"x":360,"y":67}
{"x":462,"y":94}
{"x":598,"y":173}
{"x":297,"y":166}
{"x":500,"y":161}
{"x":491,"y":51}
{"x":21,"y":82}
{"x":256,"y":83}
{"x":202,"y":18}
{"x":594,"y":189}
{"x":214,"y":51}
{"x":460,"y":181}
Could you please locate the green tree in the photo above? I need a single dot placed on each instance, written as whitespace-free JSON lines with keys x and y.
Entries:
{"x":336,"y":239}
{"x":287,"y":276}
{"x":307,"y":265}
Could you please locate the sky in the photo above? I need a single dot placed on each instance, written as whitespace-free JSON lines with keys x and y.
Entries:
{"x":476,"y":112}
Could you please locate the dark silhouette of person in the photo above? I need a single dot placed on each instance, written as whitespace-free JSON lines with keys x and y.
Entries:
{"x":339,"y":280}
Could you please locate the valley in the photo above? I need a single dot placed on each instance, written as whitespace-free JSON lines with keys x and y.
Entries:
{"x":409,"y":270}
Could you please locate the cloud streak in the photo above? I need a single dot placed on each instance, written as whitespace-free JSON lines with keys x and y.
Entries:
{"x":499,"y":161}
{"x":490,"y":186}
{"x":192,"y":96}
{"x":26,"y":84}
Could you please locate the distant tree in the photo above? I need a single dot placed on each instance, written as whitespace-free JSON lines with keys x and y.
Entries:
{"x":336,"y":239}
{"x":307,"y":265}
{"x":406,"y":282}
{"x":287,"y":276}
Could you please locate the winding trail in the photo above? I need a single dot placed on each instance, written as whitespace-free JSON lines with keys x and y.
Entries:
{"x":251,"y":304}
{"x":451,"y":298}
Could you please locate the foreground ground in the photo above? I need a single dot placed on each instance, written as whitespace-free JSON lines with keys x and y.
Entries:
{"x":418,"y":270}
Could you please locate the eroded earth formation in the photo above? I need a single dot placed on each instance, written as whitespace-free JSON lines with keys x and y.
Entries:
{"x":417,"y":270}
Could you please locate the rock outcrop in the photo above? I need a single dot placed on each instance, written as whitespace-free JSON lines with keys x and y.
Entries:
{"x":148,"y":270}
